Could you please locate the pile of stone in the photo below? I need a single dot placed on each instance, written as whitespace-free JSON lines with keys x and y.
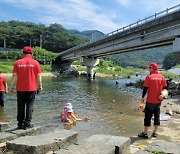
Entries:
{"x":173,"y":87}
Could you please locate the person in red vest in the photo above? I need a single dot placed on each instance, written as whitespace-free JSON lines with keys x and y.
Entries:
{"x":3,"y":88}
{"x":27,"y":77}
{"x":153,"y":85}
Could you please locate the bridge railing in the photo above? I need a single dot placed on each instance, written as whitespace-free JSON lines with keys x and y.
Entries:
{"x":8,"y":49}
{"x":147,"y":19}
{"x":133,"y":25}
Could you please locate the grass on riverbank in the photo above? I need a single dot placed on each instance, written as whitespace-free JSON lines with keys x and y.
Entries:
{"x":108,"y":67}
{"x":118,"y":71}
{"x":6,"y":66}
{"x":169,"y":75}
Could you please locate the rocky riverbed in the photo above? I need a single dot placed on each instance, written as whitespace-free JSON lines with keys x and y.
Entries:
{"x":169,"y":130}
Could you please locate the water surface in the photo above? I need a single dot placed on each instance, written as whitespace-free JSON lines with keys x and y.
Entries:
{"x":112,"y":108}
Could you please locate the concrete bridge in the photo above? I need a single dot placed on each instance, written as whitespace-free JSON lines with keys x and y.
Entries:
{"x":160,"y":29}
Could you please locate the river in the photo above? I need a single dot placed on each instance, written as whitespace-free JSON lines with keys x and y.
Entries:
{"x":111,"y":108}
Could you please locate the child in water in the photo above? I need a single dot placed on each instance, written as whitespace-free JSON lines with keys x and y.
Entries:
{"x":68,"y":116}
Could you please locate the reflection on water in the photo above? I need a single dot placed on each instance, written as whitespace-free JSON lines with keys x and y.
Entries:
{"x":3,"y":116}
{"x":111,"y":108}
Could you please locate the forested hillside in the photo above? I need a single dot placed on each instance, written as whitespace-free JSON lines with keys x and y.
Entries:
{"x":141,"y":58}
{"x":16,"y":34}
{"x":90,"y":34}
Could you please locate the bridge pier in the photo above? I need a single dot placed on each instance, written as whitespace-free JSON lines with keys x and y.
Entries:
{"x":176,"y":44}
{"x":176,"y":49}
{"x":89,"y":63}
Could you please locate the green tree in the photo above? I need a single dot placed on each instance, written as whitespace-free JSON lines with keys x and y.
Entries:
{"x":52,"y":38}
{"x":169,"y":61}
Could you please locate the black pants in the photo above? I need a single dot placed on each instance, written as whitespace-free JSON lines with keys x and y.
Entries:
{"x":1,"y":98}
{"x":25,"y":102}
{"x":150,"y":110}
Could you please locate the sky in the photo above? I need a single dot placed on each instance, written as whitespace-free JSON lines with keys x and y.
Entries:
{"x":102,"y":15}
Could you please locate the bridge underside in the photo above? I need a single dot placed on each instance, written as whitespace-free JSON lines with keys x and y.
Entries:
{"x":159,"y":32}
{"x":177,"y":56}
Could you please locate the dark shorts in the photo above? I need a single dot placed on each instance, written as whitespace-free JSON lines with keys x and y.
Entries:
{"x":1,"y":98}
{"x":150,"y":110}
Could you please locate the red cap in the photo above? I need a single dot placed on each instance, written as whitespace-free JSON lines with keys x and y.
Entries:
{"x":27,"y":49}
{"x":153,"y":65}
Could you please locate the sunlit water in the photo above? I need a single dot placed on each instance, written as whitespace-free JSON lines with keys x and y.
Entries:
{"x":112,"y":109}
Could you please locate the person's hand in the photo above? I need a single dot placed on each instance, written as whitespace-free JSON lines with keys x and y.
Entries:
{"x":86,"y":119}
{"x":40,"y":89}
{"x":142,"y":100}
{"x":11,"y":91}
{"x":161,"y":97}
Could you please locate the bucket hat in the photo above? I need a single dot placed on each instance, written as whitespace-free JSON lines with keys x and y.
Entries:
{"x":69,"y":109}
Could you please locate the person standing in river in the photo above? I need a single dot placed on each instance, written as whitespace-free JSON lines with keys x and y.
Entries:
{"x":3,"y":88}
{"x":153,"y":85}
{"x":27,"y":77}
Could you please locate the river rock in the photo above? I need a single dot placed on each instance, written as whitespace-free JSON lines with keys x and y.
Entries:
{"x":161,"y":147}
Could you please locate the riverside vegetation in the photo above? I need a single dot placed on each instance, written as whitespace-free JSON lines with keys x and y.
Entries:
{"x":47,"y":59}
{"x":44,"y":57}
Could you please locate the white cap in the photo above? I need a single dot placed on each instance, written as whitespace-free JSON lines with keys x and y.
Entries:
{"x":68,"y":105}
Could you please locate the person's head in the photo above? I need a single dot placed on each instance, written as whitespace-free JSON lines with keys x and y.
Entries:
{"x":68,"y":105}
{"x":27,"y":50}
{"x":153,"y":67}
{"x":69,"y":109}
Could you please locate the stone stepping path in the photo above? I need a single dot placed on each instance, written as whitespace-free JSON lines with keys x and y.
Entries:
{"x":98,"y":144}
{"x":11,"y":134}
{"x":43,"y":143}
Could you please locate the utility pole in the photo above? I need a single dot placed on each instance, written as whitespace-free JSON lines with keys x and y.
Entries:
{"x":4,"y":43}
{"x":40,"y":41}
{"x":30,"y":42}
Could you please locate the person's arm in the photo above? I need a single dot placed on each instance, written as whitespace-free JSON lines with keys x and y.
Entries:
{"x":39,"y":82}
{"x":76,"y":118}
{"x":6,"y":88}
{"x":144,"y":93}
{"x":13,"y":82}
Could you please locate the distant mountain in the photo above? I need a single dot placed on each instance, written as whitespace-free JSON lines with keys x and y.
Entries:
{"x":89,"y":34}
{"x":142,"y":58}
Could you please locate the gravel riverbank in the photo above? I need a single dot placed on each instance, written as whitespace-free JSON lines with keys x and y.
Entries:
{"x":168,"y":131}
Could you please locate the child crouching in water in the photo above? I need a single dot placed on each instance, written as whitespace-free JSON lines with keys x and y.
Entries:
{"x":68,"y":116}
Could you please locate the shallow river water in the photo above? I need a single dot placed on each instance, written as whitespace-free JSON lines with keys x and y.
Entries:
{"x":112,"y":109}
